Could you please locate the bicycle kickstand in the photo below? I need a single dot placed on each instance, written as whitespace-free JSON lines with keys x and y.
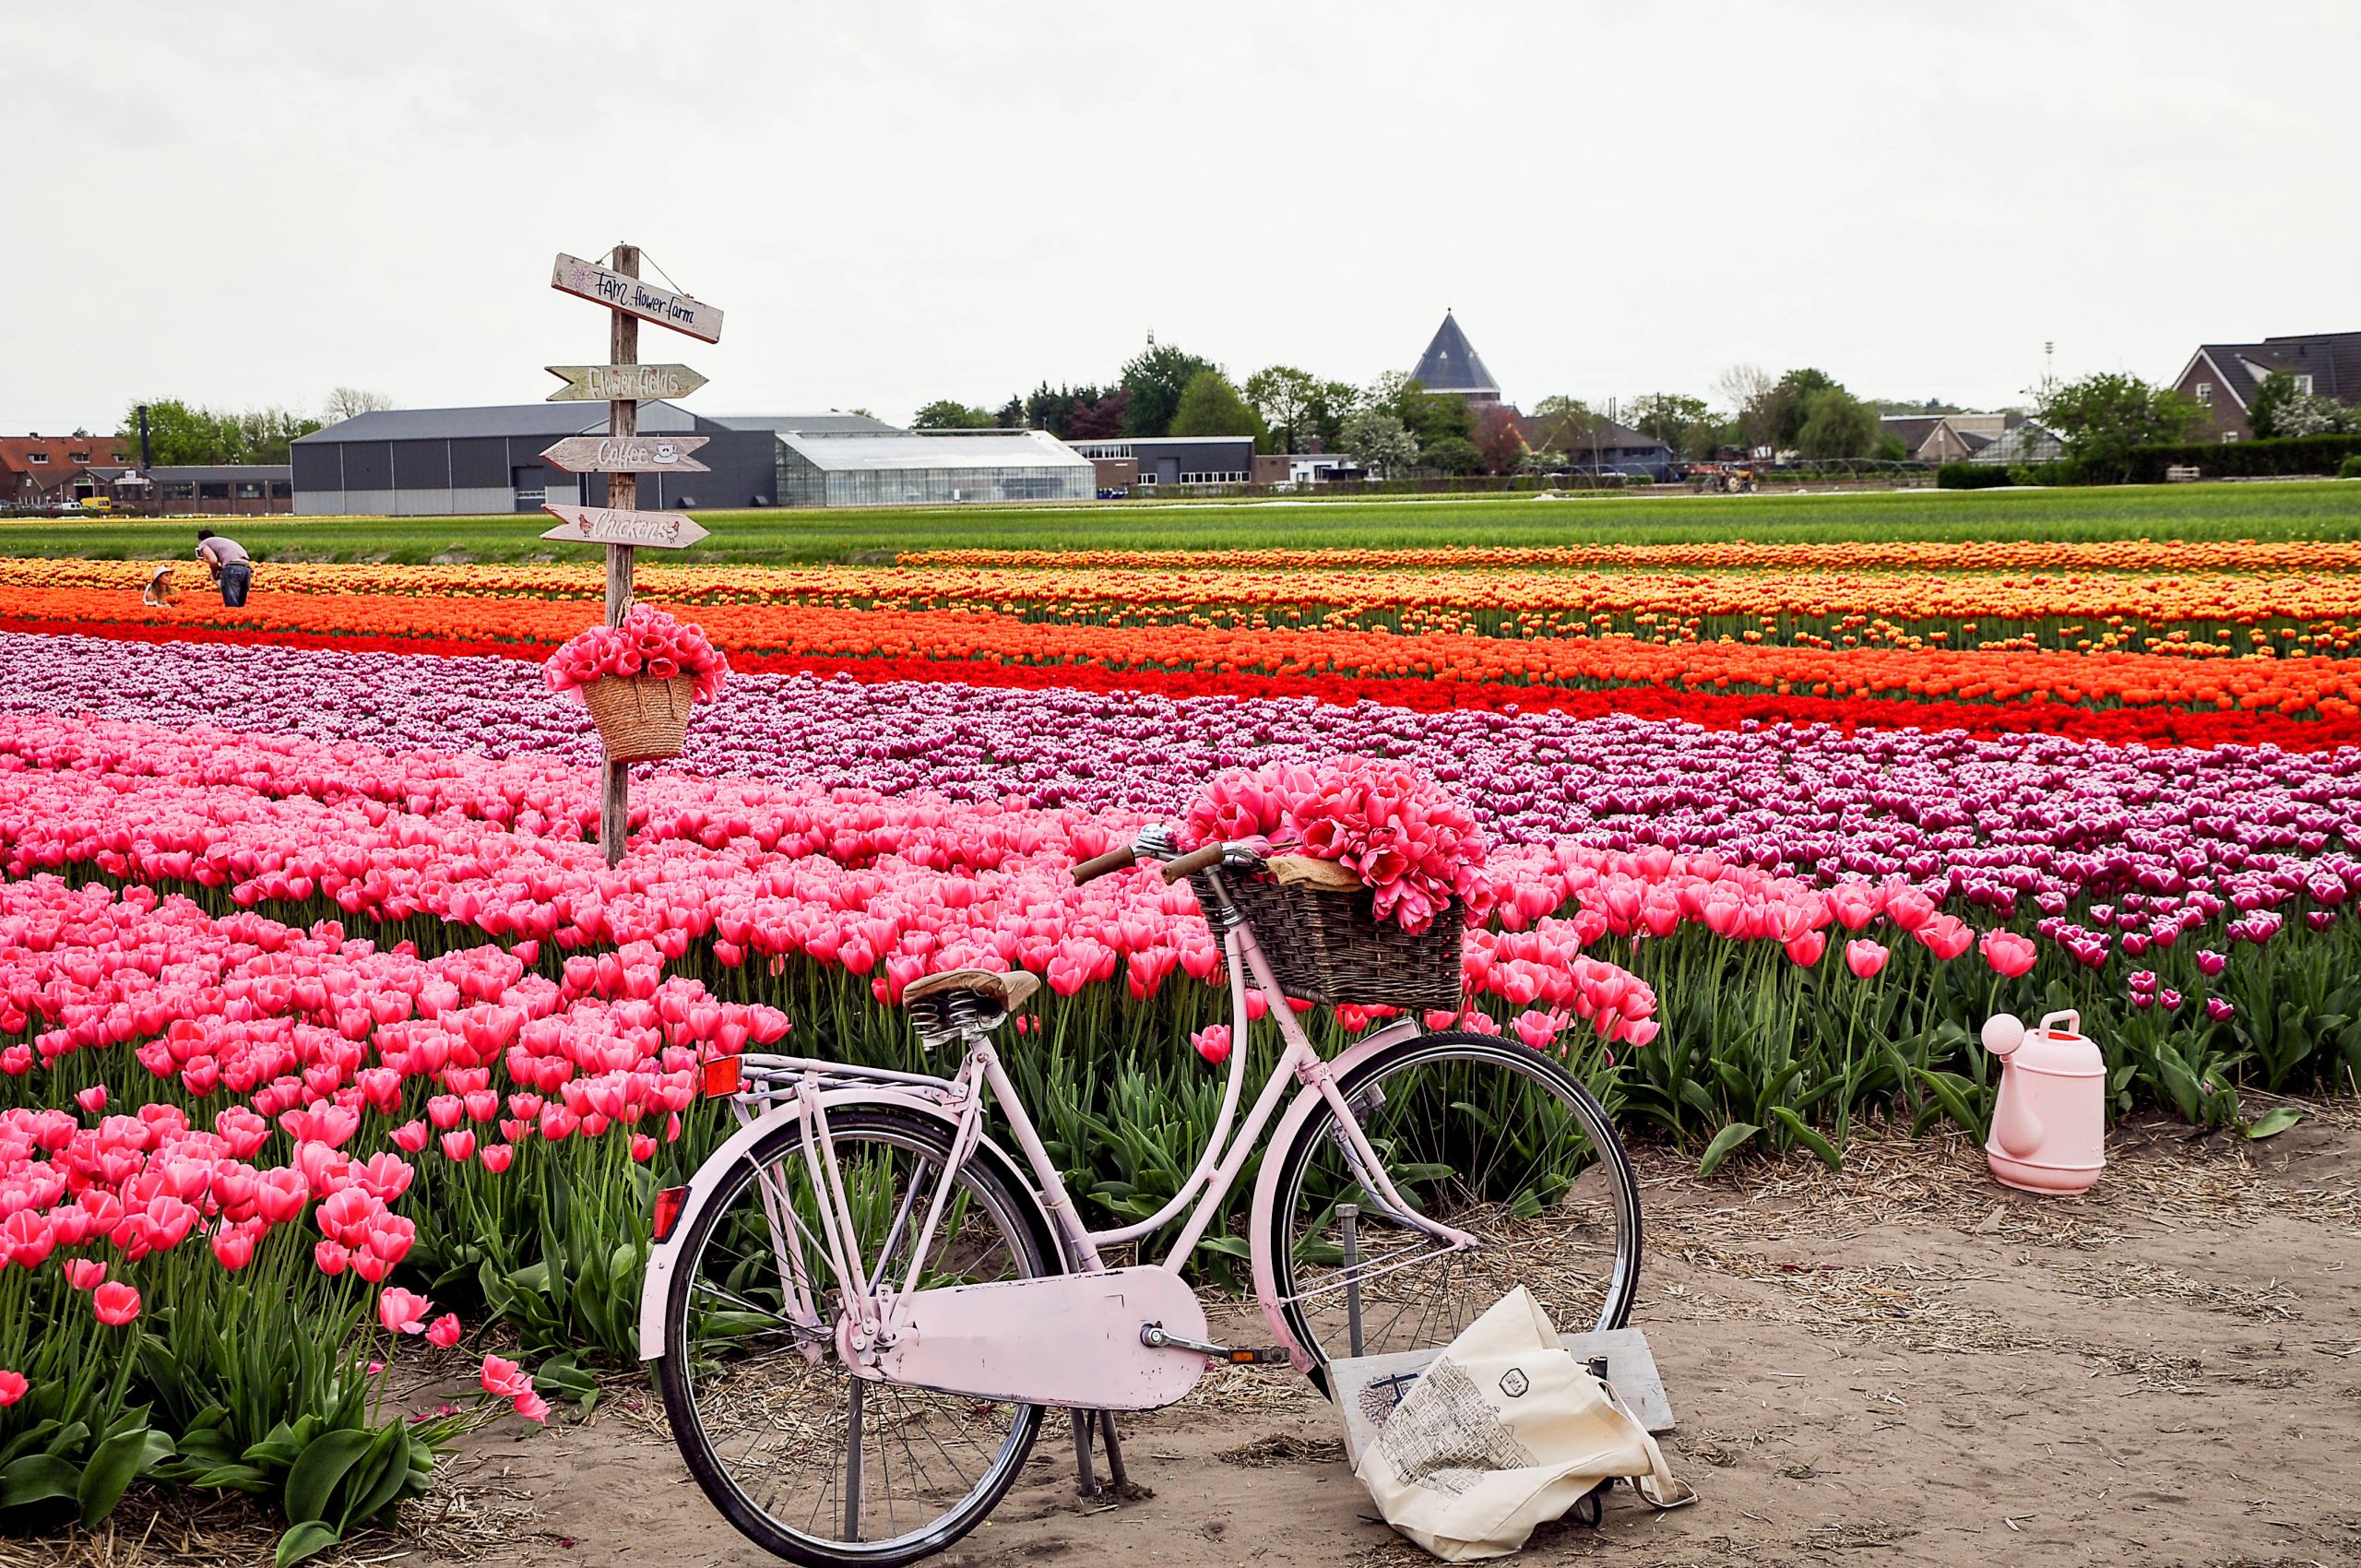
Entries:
{"x":1087,"y":1425}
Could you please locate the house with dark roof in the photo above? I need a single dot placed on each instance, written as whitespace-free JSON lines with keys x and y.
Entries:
{"x":1929,"y":438}
{"x":2224,"y":378}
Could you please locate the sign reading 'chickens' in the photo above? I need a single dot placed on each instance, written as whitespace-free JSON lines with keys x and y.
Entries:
{"x":609,"y":525}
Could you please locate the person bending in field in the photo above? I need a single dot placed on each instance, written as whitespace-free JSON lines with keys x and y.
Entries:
{"x":230,"y":564}
{"x":159,"y":591}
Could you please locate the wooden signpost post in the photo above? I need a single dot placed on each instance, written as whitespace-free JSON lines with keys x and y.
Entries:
{"x":622,"y":454}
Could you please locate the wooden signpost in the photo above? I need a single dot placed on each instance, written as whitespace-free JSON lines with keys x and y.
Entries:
{"x":642,"y":383}
{"x":624,"y":381}
{"x":628,"y":454}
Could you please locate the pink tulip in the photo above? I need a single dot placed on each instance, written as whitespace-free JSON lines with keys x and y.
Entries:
{"x":84,"y":1274}
{"x":496,"y":1157}
{"x":1212,"y":1043}
{"x":1805,"y":950}
{"x":459,"y":1146}
{"x":533,"y":1407}
{"x":116,"y":1305}
{"x":233,"y":1249}
{"x":2009,"y":954}
{"x":12,"y":1389}
{"x":501,"y":1377}
{"x":92,"y":1099}
{"x":331,"y":1258}
{"x":443,"y":1332}
{"x":1536,"y":1029}
{"x":402,"y":1311}
{"x":1864,"y":958}
{"x":2220,"y":1009}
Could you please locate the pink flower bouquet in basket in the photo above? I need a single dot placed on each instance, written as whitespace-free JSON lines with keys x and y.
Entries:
{"x":1415,"y":848}
{"x":638,"y":679}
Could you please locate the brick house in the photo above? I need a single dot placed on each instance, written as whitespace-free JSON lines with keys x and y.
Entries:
{"x":41,"y":471}
{"x":2224,"y":378}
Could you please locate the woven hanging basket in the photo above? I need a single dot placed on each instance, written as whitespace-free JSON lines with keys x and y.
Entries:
{"x":1325,"y":944}
{"x":641,"y":718}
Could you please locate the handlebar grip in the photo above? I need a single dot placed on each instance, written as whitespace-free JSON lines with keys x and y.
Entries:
{"x":1099,"y":865}
{"x":1191,"y":863}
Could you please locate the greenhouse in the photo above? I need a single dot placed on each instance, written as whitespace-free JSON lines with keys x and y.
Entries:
{"x":905,"y":468}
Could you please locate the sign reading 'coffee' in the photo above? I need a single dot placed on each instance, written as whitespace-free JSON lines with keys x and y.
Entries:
{"x":628,"y":454}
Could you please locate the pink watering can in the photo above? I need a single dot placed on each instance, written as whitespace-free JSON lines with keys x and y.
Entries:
{"x":2049,"y":1123}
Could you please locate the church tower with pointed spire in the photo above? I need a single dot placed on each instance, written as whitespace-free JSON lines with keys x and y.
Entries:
{"x":1452,"y":365}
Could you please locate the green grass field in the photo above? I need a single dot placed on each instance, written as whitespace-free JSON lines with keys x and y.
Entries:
{"x":2329,"y":510}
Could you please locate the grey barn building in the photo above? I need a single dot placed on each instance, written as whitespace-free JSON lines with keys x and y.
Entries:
{"x":445,"y":462}
{"x":452,"y":462}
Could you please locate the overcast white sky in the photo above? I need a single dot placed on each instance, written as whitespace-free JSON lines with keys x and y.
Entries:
{"x":241,"y":202}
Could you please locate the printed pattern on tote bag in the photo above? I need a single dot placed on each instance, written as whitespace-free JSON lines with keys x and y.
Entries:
{"x":1445,"y":1436}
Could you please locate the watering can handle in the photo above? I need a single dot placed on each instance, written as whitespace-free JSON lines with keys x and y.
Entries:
{"x":2050,"y":1022}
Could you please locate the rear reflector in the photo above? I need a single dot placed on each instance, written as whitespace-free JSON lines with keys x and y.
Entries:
{"x":722,"y":1076}
{"x":668,"y":1209}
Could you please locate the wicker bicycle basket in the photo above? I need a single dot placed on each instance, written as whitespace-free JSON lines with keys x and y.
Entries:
{"x":1327,"y":944}
{"x":641,"y":718}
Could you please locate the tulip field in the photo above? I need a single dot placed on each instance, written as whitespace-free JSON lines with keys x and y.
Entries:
{"x":327,"y":1032}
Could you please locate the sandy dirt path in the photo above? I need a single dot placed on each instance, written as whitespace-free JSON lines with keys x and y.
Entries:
{"x":1903,"y":1363}
{"x":1900,"y":1363}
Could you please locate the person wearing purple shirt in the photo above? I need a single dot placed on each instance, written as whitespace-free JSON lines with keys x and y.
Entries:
{"x":229,"y":563}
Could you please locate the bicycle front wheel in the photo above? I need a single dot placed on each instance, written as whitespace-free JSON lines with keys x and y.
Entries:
{"x":1486,"y":1136}
{"x":809,"y":1462}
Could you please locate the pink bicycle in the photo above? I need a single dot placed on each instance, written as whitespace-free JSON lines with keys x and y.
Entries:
{"x":864,"y":1302}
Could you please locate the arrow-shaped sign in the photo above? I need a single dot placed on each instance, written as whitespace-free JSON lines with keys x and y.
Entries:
{"x":680,"y":312}
{"x":608,"y":383}
{"x":604,"y":524}
{"x":628,"y":454}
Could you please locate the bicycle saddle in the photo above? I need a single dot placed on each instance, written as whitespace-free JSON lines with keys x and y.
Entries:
{"x":1006,"y":992}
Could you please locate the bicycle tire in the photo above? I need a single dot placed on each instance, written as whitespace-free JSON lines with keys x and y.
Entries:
{"x":1614,"y":1185}
{"x":1041,"y":1254}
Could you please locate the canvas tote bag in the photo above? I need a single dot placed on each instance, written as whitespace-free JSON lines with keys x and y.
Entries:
{"x":1503,"y":1431}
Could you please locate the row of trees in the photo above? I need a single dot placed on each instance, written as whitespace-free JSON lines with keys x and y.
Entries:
{"x":1395,"y":424}
{"x":180,"y":432}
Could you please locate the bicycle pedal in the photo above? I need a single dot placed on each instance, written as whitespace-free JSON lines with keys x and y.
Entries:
{"x":1258,"y":1356}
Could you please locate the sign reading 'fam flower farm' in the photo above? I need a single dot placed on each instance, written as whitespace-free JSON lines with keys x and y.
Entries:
{"x":620,"y":291}
{"x":640,"y":383}
{"x":609,"y":525}
{"x":628,"y":454}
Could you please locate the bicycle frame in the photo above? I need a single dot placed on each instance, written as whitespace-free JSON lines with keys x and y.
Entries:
{"x":879,"y":1308}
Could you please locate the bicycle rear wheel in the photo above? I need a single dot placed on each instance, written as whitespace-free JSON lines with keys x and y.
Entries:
{"x":1486,"y":1136}
{"x":807,"y":1461}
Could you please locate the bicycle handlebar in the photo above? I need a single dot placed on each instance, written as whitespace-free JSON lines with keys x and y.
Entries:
{"x":1191,"y":863}
{"x":1097,"y":866}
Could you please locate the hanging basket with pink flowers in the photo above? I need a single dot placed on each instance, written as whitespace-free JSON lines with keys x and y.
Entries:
{"x":1373,"y":870}
{"x":639,"y":681}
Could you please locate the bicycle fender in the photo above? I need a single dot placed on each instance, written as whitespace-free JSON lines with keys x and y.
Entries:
{"x":663,"y":1255}
{"x":1260,"y":1241}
